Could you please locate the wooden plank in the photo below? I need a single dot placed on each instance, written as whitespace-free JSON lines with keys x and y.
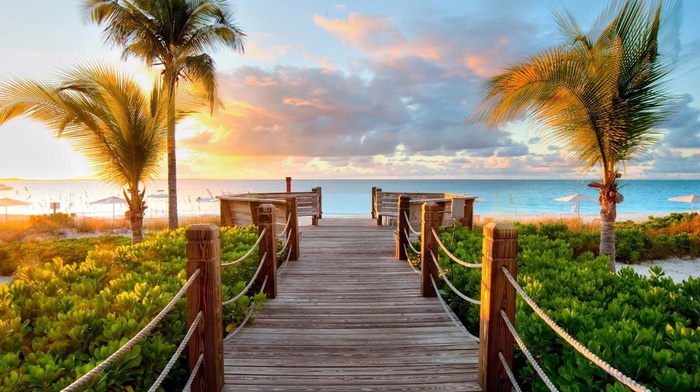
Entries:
{"x":349,"y":316}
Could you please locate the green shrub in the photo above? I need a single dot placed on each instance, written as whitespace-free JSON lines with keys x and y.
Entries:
{"x":648,"y":328}
{"x":59,"y":319}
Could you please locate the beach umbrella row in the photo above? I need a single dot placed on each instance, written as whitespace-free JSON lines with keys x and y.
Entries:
{"x":691,"y":198}
{"x":7,"y":202}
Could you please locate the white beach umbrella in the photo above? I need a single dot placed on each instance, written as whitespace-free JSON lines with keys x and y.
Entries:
{"x":113,"y":200}
{"x":5,"y":202}
{"x":577,"y":198}
{"x":691,"y":198}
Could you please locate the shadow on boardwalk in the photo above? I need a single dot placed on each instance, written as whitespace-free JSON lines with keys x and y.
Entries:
{"x":349,"y":316}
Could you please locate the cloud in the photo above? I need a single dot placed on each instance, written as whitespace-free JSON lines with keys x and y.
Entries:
{"x":683,"y":128}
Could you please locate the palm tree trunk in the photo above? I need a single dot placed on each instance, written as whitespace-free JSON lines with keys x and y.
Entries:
{"x":608,"y":214}
{"x":172,"y":160}
{"x":136,"y":225}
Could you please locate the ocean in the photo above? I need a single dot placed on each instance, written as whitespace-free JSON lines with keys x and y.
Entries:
{"x":353,"y":197}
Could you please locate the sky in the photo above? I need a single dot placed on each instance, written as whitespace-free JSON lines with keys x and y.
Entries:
{"x":342,"y":90}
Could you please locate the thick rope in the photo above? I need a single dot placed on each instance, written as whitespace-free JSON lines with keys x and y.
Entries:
{"x":179,"y":350}
{"x":286,"y":243}
{"x":245,"y":256}
{"x":509,"y":372}
{"x":286,"y":226}
{"x":413,"y":267}
{"x":410,"y":245}
{"x":451,"y":314}
{"x":454,"y":289}
{"x":525,"y":351}
{"x":131,"y":343}
{"x":188,"y":386}
{"x":450,"y":255}
{"x":250,"y":284}
{"x":408,"y":222}
{"x":633,"y":385}
{"x":284,"y":265}
{"x":247,"y":317}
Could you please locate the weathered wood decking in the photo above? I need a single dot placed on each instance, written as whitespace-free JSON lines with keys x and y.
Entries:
{"x":349,"y":316}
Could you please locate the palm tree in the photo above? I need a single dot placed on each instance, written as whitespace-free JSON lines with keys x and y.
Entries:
{"x":105,"y":115}
{"x":597,"y":99}
{"x":174,"y":34}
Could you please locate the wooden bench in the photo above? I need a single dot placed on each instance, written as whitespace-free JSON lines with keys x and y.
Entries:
{"x":386,"y":204}
{"x":243,"y":211}
{"x":308,"y":203}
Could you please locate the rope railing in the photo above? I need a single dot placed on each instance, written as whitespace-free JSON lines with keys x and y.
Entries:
{"x":408,"y":223}
{"x":527,"y":353}
{"x":416,"y":251}
{"x":509,"y":372}
{"x":176,"y":356}
{"x":247,"y":317}
{"x":284,"y":247}
{"x":245,"y":256}
{"x":452,"y":287}
{"x":408,"y":260}
{"x":188,"y":385}
{"x":250,"y":284}
{"x":573,"y":342}
{"x":284,"y":265}
{"x":450,"y":313}
{"x":450,"y":255}
{"x":87,"y":377}
{"x":286,"y":226}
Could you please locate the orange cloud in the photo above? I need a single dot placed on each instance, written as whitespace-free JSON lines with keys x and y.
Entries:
{"x":377,"y":35}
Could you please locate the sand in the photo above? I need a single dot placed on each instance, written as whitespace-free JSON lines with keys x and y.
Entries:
{"x":677,"y":269}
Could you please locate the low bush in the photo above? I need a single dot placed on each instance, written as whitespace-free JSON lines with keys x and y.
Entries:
{"x":648,"y":328}
{"x":59,"y":318}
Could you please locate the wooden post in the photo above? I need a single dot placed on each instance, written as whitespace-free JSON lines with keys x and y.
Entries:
{"x":430,"y":218}
{"x":375,"y":206}
{"x":317,"y":215}
{"x":320,"y":202}
{"x":289,"y":184}
{"x":468,"y":218}
{"x":202,"y":252}
{"x":293,"y":231}
{"x":268,"y":246}
{"x":402,"y":227}
{"x":500,"y":248}
{"x":374,"y":202}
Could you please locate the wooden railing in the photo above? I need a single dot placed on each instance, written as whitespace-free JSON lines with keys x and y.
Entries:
{"x":499,"y":288}
{"x":243,"y":211}
{"x":204,"y":295}
{"x":308,"y":203}
{"x":452,"y":206}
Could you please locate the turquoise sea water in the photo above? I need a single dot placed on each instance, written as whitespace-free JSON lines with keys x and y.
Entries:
{"x":353,"y":197}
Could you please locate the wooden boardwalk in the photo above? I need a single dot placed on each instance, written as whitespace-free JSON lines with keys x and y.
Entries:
{"x":349,"y":316}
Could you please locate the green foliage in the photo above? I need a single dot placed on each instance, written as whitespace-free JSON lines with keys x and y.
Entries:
{"x":70,"y":250}
{"x":59,"y":319}
{"x":648,"y":328}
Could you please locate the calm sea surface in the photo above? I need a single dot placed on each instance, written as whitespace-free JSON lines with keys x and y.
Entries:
{"x":352,"y":197}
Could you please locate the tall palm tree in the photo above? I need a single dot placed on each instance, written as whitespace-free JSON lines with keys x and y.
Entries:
{"x":105,"y":115}
{"x":174,"y":34}
{"x":599,"y":99}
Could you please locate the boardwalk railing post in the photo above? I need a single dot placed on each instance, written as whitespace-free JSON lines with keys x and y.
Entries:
{"x":375,"y":205}
{"x":500,"y":248}
{"x":402,"y":227}
{"x":289,"y":184}
{"x":268,"y":248}
{"x":468,"y":219}
{"x":319,"y":203}
{"x":293,"y":230}
{"x":202,"y":252}
{"x":430,"y":218}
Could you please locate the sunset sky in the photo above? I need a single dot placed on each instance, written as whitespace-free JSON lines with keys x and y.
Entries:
{"x":362,"y":89}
